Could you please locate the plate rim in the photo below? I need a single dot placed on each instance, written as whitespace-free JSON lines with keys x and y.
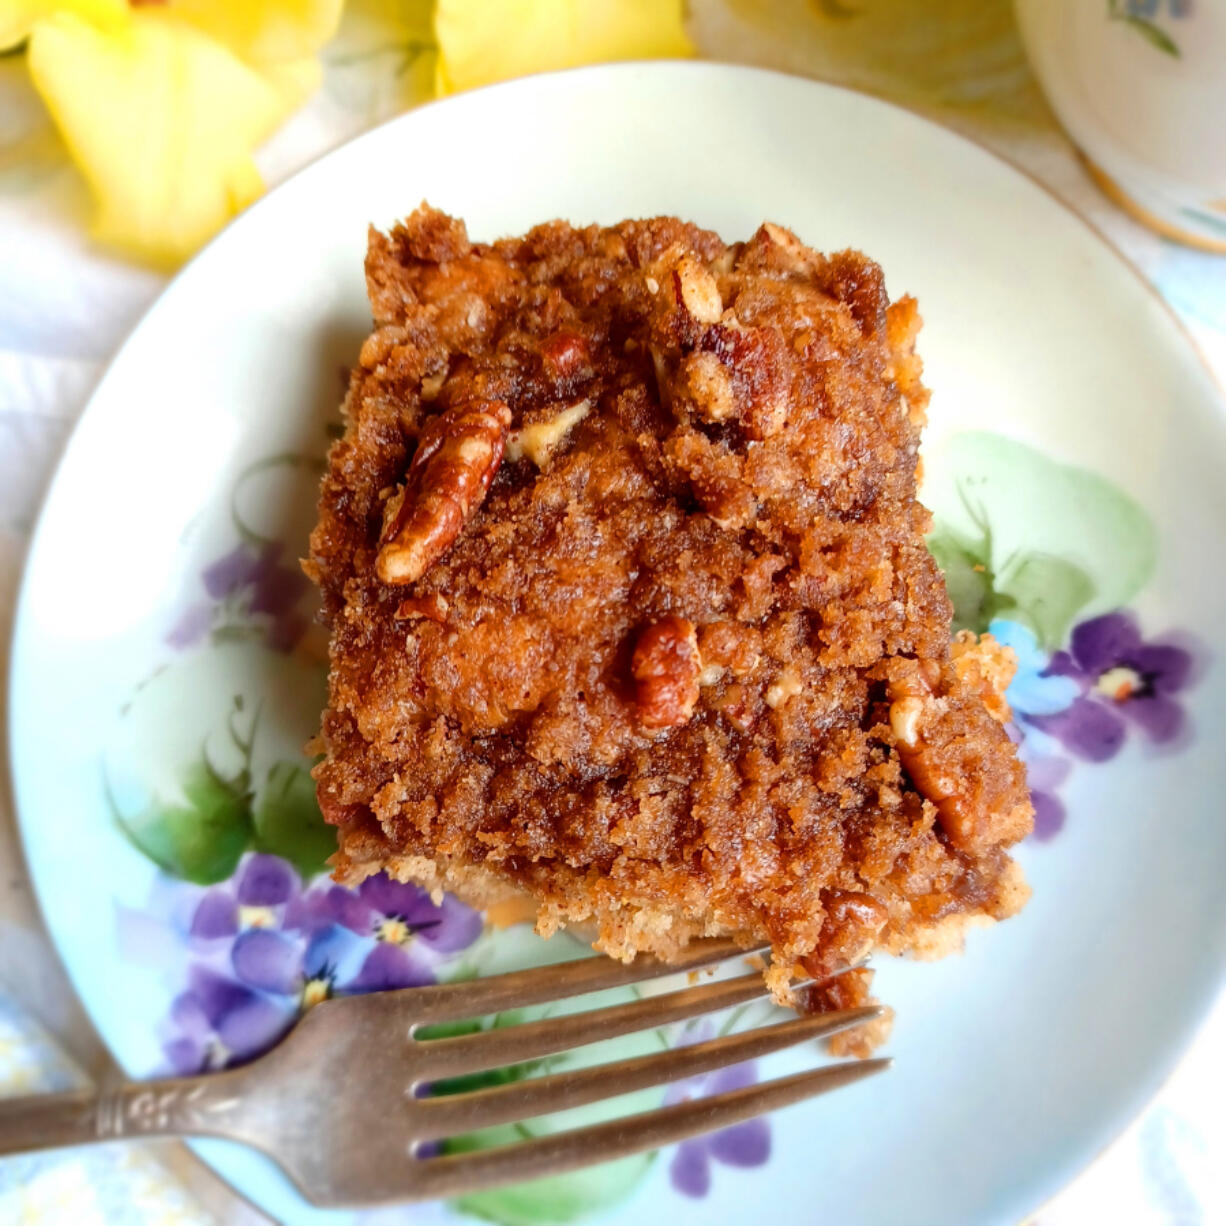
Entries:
{"x":1143,"y":1090}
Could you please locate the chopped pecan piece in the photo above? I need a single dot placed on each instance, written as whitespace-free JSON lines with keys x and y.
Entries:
{"x":379,"y":344}
{"x":787,"y":251}
{"x":737,"y":707}
{"x":853,"y":922}
{"x":913,"y":712}
{"x":786,"y":685}
{"x":666,"y":667}
{"x":710,"y":386}
{"x":432,"y":607}
{"x":751,"y":386}
{"x":697,"y":291}
{"x":457,"y":457}
{"x":540,"y":440}
{"x":565,"y":355}
{"x":852,"y":990}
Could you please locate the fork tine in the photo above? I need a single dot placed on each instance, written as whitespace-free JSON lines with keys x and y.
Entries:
{"x":488,"y":1049}
{"x":460,"y":1113}
{"x":453,"y":1002}
{"x":565,"y":1151}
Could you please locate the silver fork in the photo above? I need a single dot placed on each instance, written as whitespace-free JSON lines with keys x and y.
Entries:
{"x":339,"y":1103}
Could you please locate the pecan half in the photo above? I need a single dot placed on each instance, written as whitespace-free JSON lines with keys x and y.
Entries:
{"x":666,"y":666}
{"x":912,"y":706}
{"x":457,"y":456}
{"x":947,"y":745}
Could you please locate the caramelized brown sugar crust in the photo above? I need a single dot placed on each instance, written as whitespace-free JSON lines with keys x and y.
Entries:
{"x":630,"y":606}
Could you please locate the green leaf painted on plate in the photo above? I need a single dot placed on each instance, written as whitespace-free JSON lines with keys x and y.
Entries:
{"x":473,"y":1081}
{"x":1046,"y":593}
{"x":564,"y":1198}
{"x":288,"y":822}
{"x":205,"y":761}
{"x":968,"y":580}
{"x":201,"y":838}
{"x":1022,"y":536}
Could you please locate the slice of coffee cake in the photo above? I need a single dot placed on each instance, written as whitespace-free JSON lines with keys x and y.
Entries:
{"x":631,"y":611}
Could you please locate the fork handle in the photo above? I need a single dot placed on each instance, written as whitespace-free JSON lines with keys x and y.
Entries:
{"x":45,"y":1121}
{"x":190,"y":1106}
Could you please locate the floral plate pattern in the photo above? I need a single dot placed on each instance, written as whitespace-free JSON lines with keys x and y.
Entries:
{"x":167,"y":672}
{"x":260,"y":933}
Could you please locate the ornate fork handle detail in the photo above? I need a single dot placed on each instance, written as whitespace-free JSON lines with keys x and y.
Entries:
{"x":131,"y":1109}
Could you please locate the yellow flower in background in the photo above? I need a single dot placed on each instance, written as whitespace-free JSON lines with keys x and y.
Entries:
{"x":480,"y":41}
{"x":18,"y":17}
{"x":161,"y":105}
{"x":264,"y":31}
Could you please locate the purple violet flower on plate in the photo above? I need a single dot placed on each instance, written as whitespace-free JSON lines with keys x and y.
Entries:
{"x":742,"y":1145}
{"x":1124,"y":680}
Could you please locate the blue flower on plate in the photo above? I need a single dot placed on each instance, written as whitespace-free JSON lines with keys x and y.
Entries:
{"x":1036,"y":692}
{"x":306,"y":969}
{"x":1033,"y":691}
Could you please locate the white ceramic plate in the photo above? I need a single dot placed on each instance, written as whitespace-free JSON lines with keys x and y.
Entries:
{"x":161,"y":622}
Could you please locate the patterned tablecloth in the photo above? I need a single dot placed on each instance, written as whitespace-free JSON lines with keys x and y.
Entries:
{"x":64,"y":308}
